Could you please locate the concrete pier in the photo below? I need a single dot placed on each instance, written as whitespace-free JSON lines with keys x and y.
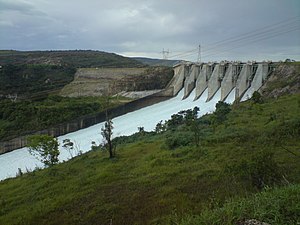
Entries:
{"x":190,"y":81}
{"x":229,"y":80}
{"x":214,"y":82}
{"x":202,"y":80}
{"x":176,"y":83}
{"x":179,"y":78}
{"x":258,"y":80}
{"x":244,"y":80}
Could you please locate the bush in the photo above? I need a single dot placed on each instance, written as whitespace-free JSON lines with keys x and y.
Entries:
{"x":256,"y":97}
{"x":261,"y":170}
{"x":178,"y":139}
{"x":220,"y":115}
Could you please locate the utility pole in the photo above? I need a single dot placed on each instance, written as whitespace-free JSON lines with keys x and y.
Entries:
{"x":199,"y":54}
{"x":165,"y":54}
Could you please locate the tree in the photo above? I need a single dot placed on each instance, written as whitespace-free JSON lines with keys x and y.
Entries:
{"x":160,"y":127}
{"x":44,"y":148}
{"x":107,"y":132}
{"x":195,"y":128}
{"x":220,"y":115}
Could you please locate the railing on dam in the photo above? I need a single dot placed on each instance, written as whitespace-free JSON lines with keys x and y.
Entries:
{"x":244,"y":77}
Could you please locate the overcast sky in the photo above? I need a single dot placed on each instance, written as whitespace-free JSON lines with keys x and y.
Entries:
{"x":229,"y":30}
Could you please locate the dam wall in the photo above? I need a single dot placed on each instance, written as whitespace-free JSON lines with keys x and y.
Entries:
{"x":245,"y":78}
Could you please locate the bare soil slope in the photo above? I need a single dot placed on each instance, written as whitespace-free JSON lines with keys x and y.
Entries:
{"x":110,"y":81}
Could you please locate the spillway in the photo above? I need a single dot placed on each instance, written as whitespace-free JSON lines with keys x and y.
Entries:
{"x":126,"y":124}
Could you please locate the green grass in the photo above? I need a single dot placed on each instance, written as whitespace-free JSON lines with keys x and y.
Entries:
{"x":275,"y":206}
{"x":148,"y":183}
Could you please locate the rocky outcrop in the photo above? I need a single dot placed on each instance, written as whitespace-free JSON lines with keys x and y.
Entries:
{"x":284,"y":80}
{"x":110,"y":81}
{"x":251,"y":222}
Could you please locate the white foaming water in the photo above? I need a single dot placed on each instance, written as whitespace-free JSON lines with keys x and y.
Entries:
{"x":126,"y":124}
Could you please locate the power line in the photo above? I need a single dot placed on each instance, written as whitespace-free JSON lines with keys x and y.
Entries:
{"x":251,"y":41}
{"x":255,"y":35}
{"x":262,"y":33}
{"x":293,"y":19}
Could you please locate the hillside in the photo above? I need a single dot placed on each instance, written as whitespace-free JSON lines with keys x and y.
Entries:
{"x":170,"y":176}
{"x":30,"y":83}
{"x":284,"y":80}
{"x":26,"y":117}
{"x":37,"y":73}
{"x":237,"y":164}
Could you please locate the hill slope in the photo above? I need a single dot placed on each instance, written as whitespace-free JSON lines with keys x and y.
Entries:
{"x":27,"y":73}
{"x":159,"y":178}
{"x":99,"y":81}
{"x":74,"y":58}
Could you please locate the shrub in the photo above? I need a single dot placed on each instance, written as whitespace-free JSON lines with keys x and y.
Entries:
{"x":261,"y":170}
{"x":256,"y":97}
{"x":178,"y":139}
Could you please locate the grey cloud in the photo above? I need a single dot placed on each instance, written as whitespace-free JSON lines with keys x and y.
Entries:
{"x":20,"y":6}
{"x":146,"y":27}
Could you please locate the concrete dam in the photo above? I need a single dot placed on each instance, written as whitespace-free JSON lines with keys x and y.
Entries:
{"x":243,"y":78}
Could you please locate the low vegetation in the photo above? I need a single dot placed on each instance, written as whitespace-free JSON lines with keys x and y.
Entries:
{"x":28,"y":80}
{"x":26,"y":116}
{"x":274,"y":206}
{"x":245,"y":165}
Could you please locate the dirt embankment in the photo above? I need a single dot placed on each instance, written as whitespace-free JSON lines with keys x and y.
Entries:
{"x":107,"y":81}
{"x":284,"y":80}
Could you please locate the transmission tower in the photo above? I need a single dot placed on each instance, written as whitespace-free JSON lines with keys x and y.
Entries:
{"x":165,"y":53}
{"x":199,"y":54}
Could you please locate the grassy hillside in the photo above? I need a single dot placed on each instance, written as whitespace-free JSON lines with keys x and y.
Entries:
{"x":165,"y":178}
{"x":276,"y":206}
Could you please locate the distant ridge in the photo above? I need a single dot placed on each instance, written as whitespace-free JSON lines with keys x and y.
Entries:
{"x":74,"y":58}
{"x":156,"y":62}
